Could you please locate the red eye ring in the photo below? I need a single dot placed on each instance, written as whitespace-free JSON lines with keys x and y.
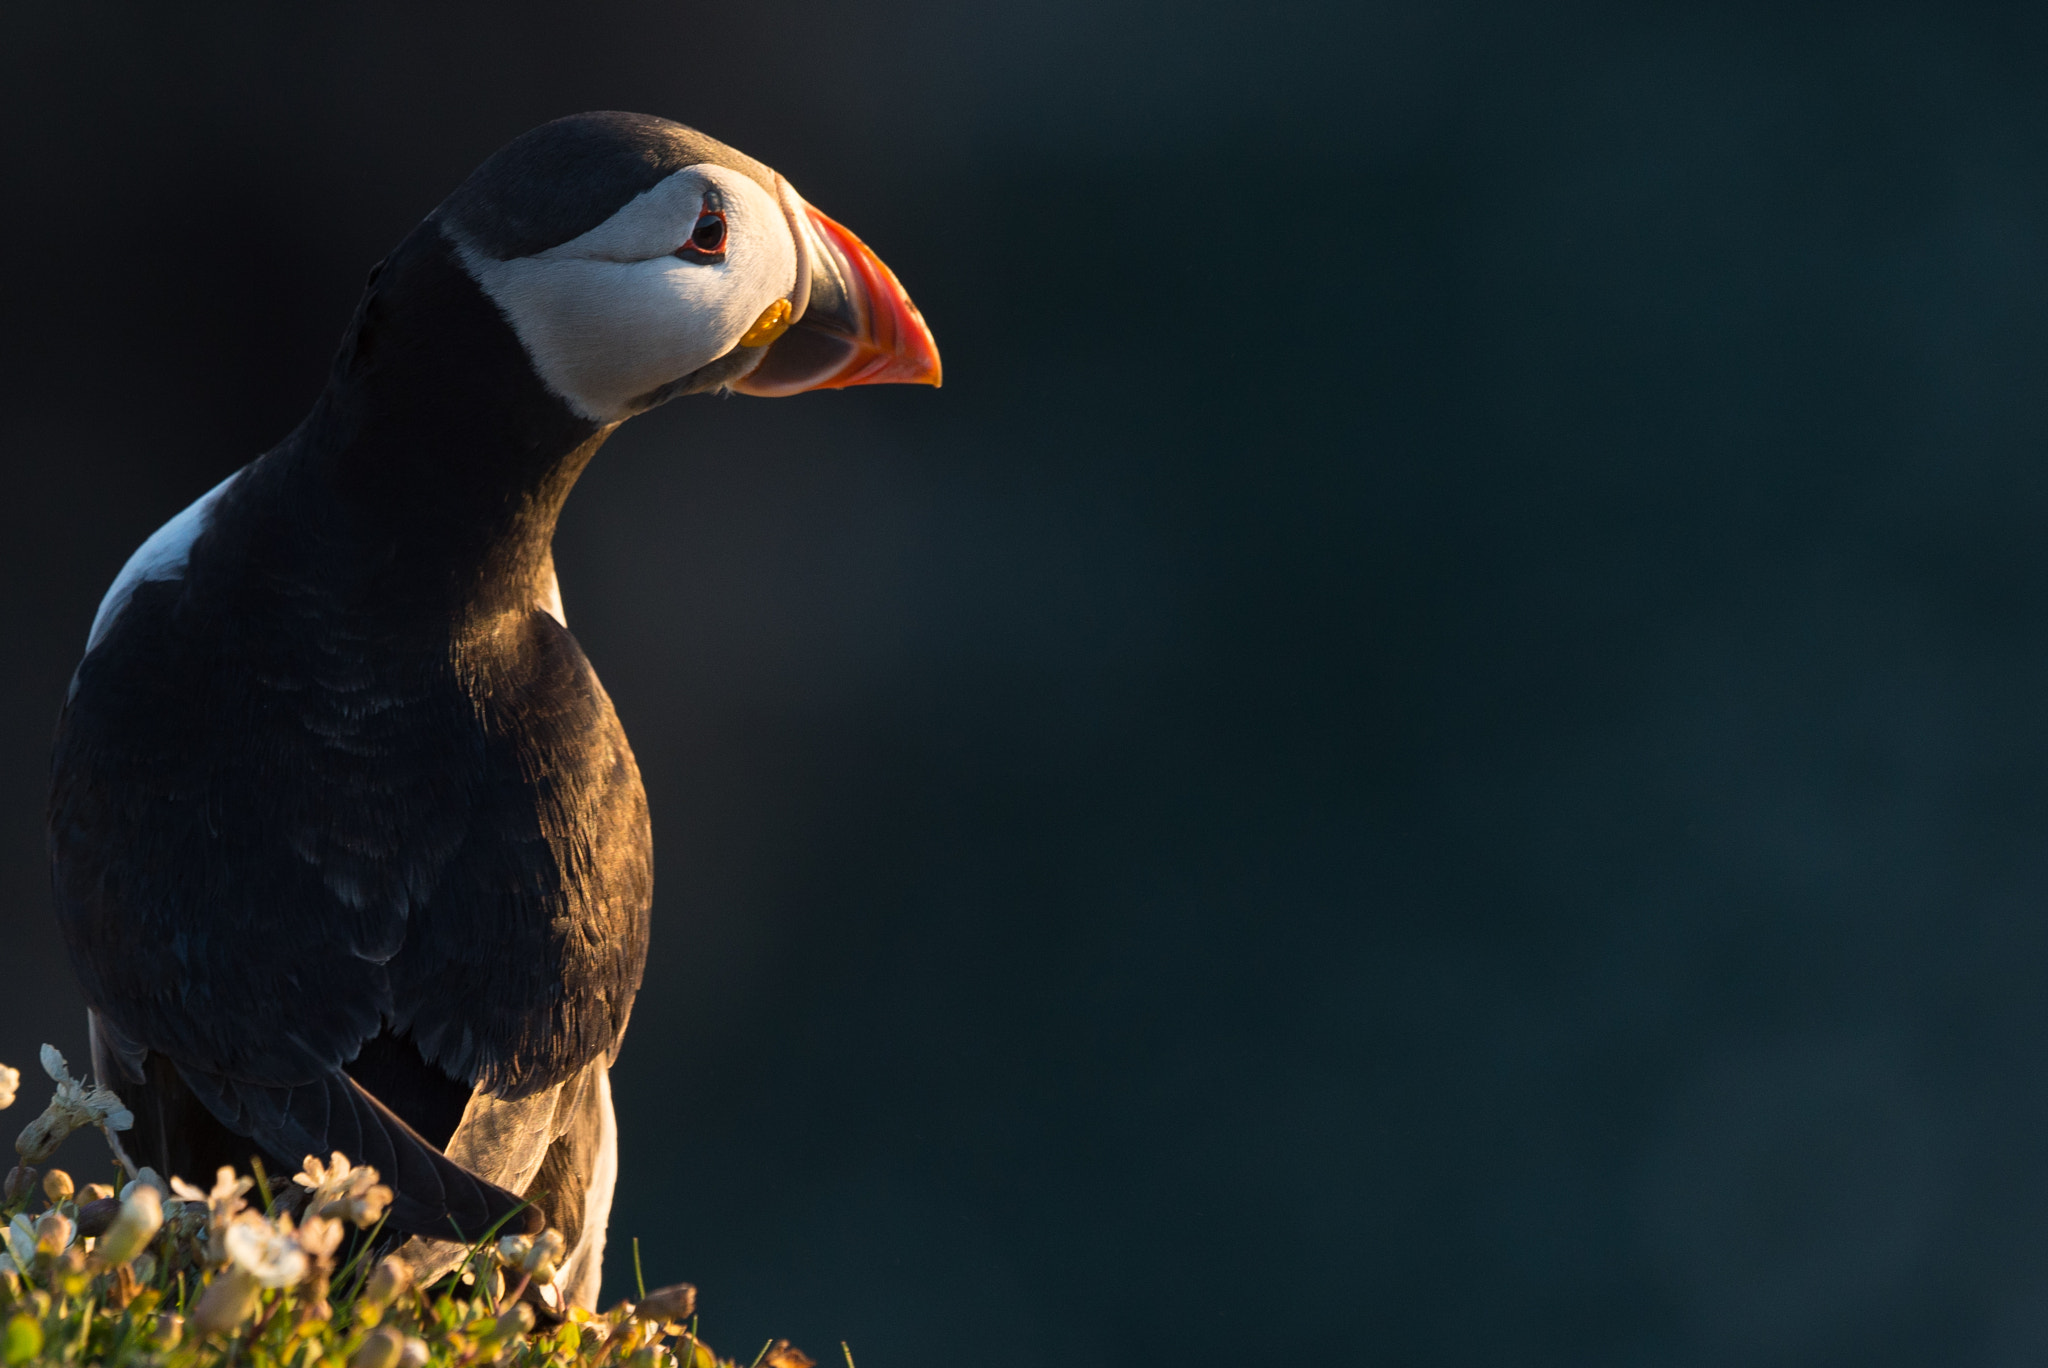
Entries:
{"x":707,"y":239}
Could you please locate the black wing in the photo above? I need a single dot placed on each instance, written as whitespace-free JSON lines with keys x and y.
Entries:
{"x":277,"y":830}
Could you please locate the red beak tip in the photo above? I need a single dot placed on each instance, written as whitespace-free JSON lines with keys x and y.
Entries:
{"x":889,"y":343}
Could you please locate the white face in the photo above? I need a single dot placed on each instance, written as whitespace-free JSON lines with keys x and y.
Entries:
{"x":631,"y":305}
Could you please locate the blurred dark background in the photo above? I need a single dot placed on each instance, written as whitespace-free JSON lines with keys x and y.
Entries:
{"x":1436,"y":752}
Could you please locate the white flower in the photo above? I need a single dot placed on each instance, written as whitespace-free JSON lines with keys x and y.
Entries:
{"x":10,"y":1079}
{"x":226,"y":1198}
{"x":76,"y":1104}
{"x":221,"y":1206}
{"x":345,"y":1193}
{"x":266,"y":1251}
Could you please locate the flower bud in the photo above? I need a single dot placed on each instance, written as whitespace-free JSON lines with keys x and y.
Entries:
{"x":53,"y":1233}
{"x":23,"y":1338}
{"x":515,"y":1320}
{"x":415,"y":1353}
{"x":40,"y":1138}
{"x":121,"y":1289}
{"x":142,"y":1215}
{"x":387,"y":1281}
{"x":20,"y":1180}
{"x":676,"y":1302}
{"x":633,"y":1333}
{"x":382,"y":1349}
{"x":320,"y":1236}
{"x":543,"y":1256}
{"x":57,"y":1186}
{"x":94,"y":1192}
{"x":95,"y":1216}
{"x":228,"y":1300}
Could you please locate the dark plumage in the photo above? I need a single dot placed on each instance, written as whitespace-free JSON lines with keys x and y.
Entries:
{"x":347,"y":841}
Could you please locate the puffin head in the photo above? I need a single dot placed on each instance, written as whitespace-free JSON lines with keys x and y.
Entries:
{"x":637,"y":260}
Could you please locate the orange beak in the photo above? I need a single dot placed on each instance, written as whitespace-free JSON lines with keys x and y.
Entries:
{"x":858,"y":326}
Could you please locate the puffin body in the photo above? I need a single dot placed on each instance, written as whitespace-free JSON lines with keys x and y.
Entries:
{"x":349,"y":849}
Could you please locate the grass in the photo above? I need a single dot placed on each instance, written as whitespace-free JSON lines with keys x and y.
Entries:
{"x":292,"y":1275}
{"x":69,"y":1306}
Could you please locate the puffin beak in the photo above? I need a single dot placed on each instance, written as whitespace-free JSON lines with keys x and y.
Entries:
{"x":854,"y":324}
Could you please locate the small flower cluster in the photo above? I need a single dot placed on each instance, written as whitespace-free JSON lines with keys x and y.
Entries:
{"x":336,"y":1190}
{"x":164,"y":1274}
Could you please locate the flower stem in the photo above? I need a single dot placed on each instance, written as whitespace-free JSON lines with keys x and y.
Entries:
{"x":120,"y":1154}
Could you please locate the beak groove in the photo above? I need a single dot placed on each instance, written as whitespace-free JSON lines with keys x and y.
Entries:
{"x":858,"y":326}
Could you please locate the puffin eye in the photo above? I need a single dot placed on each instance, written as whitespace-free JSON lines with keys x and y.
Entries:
{"x":707,"y":239}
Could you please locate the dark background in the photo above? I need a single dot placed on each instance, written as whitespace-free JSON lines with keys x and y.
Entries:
{"x":1436,"y":752}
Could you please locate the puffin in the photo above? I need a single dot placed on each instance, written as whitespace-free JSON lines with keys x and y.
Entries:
{"x":348,"y":848}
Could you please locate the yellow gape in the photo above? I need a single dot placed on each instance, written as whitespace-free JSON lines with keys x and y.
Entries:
{"x":773,"y":323}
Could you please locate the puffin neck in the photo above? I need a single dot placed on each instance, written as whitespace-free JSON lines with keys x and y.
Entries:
{"x":435,"y":448}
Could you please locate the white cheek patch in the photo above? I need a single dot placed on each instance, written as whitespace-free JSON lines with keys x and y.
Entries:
{"x":161,"y":557}
{"x":613,"y":314}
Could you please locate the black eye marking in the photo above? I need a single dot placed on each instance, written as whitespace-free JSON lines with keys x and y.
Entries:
{"x":707,"y":239}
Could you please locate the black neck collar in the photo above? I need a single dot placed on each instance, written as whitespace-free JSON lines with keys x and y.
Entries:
{"x":435,"y":459}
